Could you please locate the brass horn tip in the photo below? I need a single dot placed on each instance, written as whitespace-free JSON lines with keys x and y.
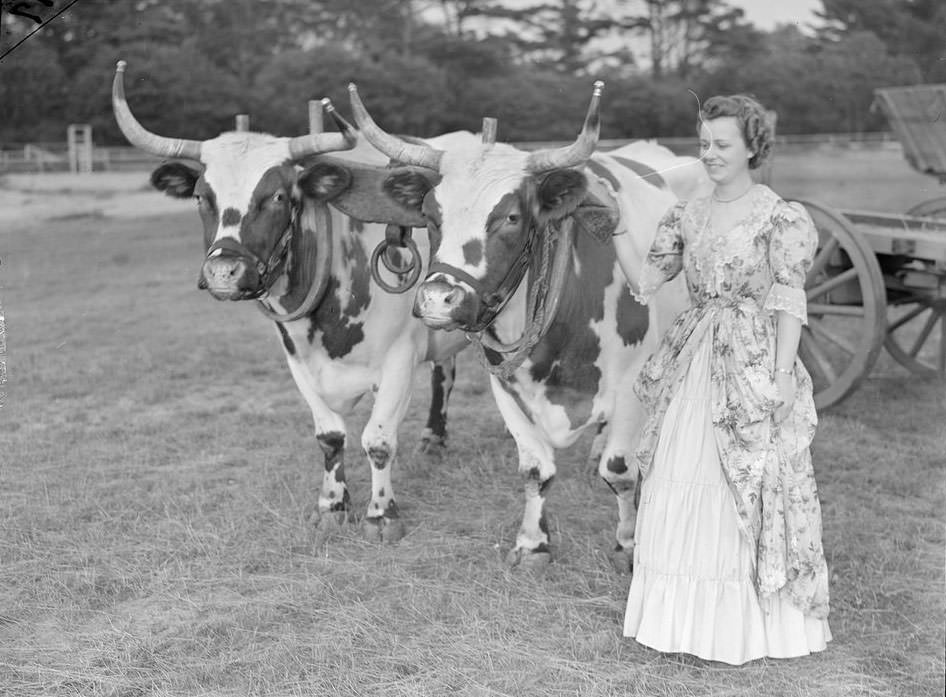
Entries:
{"x":352,"y":87}
{"x":120,"y":66}
{"x":327,"y":105}
{"x":599,"y":85}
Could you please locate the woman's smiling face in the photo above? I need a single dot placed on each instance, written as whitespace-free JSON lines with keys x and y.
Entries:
{"x":722,"y":149}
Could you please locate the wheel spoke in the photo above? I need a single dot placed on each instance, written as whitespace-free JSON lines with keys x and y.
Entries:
{"x":821,"y":259}
{"x":826,"y":309}
{"x":942,"y":344}
{"x":822,"y":362}
{"x":820,"y":329}
{"x":893,"y":326}
{"x":832,"y":283}
{"x":924,"y":334}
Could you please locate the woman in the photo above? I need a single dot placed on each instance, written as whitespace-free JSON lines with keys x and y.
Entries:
{"x":729,"y":564}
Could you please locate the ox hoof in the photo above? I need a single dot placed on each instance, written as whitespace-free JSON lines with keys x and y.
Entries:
{"x":381,"y":529}
{"x":332,"y":521}
{"x":528,"y":560}
{"x":622,"y":559}
{"x":431,"y":446}
{"x":329,"y":523}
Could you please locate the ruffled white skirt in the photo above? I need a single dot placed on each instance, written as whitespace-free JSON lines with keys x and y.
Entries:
{"x":692,"y":588}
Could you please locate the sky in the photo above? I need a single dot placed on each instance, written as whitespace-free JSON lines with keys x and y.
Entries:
{"x":765,"y":14}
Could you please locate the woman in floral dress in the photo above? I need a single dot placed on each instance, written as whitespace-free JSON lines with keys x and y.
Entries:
{"x":729,"y":564}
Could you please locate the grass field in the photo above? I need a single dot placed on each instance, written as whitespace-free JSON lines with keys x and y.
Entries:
{"x":158,"y":473}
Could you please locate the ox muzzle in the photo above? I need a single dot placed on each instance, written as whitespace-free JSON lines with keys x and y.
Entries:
{"x":443,"y":304}
{"x":232,"y":272}
{"x":450,"y":298}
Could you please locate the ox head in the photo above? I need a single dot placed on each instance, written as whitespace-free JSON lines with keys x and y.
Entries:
{"x":247,"y":193}
{"x":491,"y":204}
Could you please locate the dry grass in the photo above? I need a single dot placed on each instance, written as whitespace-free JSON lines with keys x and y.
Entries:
{"x":157,"y":477}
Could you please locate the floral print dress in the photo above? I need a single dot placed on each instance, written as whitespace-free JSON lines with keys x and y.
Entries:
{"x":729,"y":563}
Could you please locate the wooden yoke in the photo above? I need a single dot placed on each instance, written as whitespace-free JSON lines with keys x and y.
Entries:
{"x":490,"y":126}
{"x":315,"y":116}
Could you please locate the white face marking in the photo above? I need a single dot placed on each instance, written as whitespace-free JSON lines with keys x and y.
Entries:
{"x":235,"y":162}
{"x":474,"y":180}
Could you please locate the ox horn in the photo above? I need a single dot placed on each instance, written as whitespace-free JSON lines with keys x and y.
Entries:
{"x":315,"y":143}
{"x":392,"y":146}
{"x":579,"y":151}
{"x":138,"y":135}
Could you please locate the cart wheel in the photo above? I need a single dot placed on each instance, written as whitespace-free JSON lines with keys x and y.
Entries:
{"x":846,"y":308}
{"x":934,"y":208}
{"x":916,"y":333}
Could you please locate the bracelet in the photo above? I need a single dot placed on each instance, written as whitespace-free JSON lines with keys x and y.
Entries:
{"x":787,"y":371}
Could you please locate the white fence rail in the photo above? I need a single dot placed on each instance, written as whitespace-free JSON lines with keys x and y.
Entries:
{"x":54,"y":157}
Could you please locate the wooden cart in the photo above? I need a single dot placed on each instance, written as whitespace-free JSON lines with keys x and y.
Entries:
{"x":879,"y":279}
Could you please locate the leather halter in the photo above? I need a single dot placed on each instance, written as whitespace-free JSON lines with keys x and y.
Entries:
{"x":267,"y":271}
{"x":278,"y":262}
{"x":547,"y":275}
{"x":492,"y":301}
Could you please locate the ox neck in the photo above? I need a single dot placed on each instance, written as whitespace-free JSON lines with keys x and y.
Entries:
{"x":511,"y":321}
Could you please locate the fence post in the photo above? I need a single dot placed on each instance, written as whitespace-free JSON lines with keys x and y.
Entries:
{"x":80,"y":147}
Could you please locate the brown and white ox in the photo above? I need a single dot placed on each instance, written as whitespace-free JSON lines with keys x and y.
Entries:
{"x":265,"y":218}
{"x":483,"y":207}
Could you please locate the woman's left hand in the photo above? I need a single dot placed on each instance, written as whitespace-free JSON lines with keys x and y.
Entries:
{"x":785,"y":382}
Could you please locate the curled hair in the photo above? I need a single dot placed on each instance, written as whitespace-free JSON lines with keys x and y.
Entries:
{"x":753,"y":121}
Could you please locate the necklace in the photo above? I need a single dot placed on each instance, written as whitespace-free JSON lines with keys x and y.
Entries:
{"x":730,"y":200}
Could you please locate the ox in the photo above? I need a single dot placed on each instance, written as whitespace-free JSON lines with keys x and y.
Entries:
{"x":563,"y":353}
{"x":273,"y":231}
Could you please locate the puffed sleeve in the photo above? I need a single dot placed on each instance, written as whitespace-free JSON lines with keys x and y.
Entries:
{"x":665,"y":258}
{"x":792,"y":247}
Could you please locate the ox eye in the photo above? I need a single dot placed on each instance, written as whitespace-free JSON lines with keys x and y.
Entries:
{"x":513,"y":218}
{"x":279,"y":197}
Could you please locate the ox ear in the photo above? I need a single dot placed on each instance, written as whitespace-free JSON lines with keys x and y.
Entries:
{"x":175,"y":179}
{"x":599,"y":221}
{"x":376,"y":194}
{"x":560,"y":192}
{"x":408,"y":186}
{"x":325,"y":180}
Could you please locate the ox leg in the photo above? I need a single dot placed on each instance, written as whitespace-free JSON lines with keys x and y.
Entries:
{"x":537,"y":467}
{"x":334,"y":502}
{"x":443,"y":375}
{"x":379,"y":439}
{"x":618,"y":468}
{"x":598,"y":444}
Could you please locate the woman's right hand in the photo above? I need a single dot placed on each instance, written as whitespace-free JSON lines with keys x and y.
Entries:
{"x":785,"y":382}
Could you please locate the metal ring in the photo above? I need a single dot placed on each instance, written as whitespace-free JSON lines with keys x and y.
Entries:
{"x":393,"y":268}
{"x":413,"y":270}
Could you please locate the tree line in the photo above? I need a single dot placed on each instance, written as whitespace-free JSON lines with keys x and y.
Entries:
{"x":425,"y":67}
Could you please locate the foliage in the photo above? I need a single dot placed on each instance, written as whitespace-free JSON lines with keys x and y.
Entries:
{"x":814,"y":86}
{"x":403,"y":106}
{"x":430,"y":67}
{"x":21,"y":103}
{"x":908,"y":28}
